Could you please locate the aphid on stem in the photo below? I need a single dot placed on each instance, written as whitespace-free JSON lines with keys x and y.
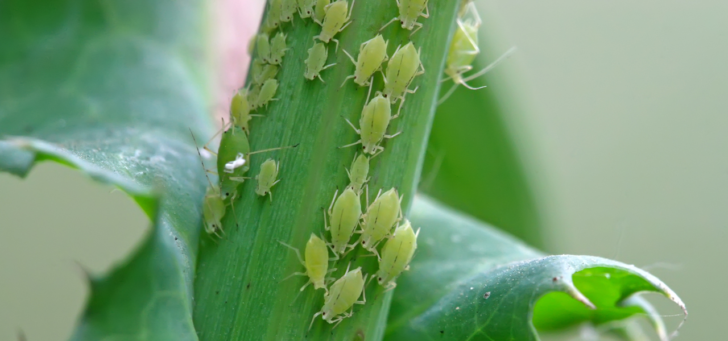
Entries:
{"x":380,"y":217}
{"x":213,"y":207}
{"x":317,"y":56}
{"x":262,"y":72}
{"x":373,"y":125}
{"x":320,"y":10}
{"x":358,"y":173}
{"x":278,"y":48}
{"x":337,"y":17}
{"x":262,"y":44}
{"x":316,"y":262}
{"x":344,"y":213}
{"x":240,"y":108}
{"x":372,"y":53}
{"x":267,"y":178}
{"x":397,"y":254}
{"x":288,"y":10}
{"x":402,"y":69}
{"x":305,"y":8}
{"x":409,"y":11}
{"x":342,"y":296}
{"x":267,"y":91}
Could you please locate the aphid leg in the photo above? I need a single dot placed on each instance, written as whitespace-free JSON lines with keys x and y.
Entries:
{"x":491,"y":65}
{"x":294,"y":274}
{"x":314,"y":319}
{"x":339,"y":319}
{"x":298,"y":253}
{"x":391,"y":136}
{"x":337,"y":41}
{"x":352,"y":126}
{"x":391,"y":285}
{"x":350,"y":57}
{"x":364,"y":294}
{"x":427,"y":12}
{"x":370,"y":90}
{"x":346,"y":79}
{"x":419,"y":26}
{"x":447,"y":94}
{"x":351,"y":144}
{"x":391,"y":21}
{"x":332,"y":201}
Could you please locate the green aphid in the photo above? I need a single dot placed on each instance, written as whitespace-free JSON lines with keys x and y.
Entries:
{"x":409,"y":11}
{"x":262,"y":72}
{"x":373,"y":125}
{"x":372,"y":53}
{"x":344,"y":213}
{"x":316,"y":262}
{"x":359,"y":172}
{"x":273,"y":17}
{"x":381,"y":216}
{"x":306,"y":8}
{"x":240,"y":108}
{"x":402,"y":69}
{"x":267,"y":178}
{"x":262,"y":44}
{"x":288,"y":10}
{"x":338,"y":16}
{"x":277,"y":48}
{"x":342,"y":296}
{"x":320,"y":10}
{"x":213,"y":207}
{"x":397,"y":254}
{"x":267,"y":91}
{"x":317,"y":56}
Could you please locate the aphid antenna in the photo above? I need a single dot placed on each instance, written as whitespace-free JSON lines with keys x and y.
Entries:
{"x":273,"y":149}
{"x":464,"y":81}
{"x":200,"y":155}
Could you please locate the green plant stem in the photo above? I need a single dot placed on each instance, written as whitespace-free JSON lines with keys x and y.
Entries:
{"x":239,"y":290}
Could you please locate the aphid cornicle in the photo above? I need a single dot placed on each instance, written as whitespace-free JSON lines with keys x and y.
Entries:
{"x":336,"y":19}
{"x":358,"y":173}
{"x":262,"y":45}
{"x":344,"y":213}
{"x":372,"y":53}
{"x":316,"y":262}
{"x":267,"y":178}
{"x":213,"y":207}
{"x":320,"y":10}
{"x":262,"y":72}
{"x":402,"y":69}
{"x":379,"y":219}
{"x":277,"y":48}
{"x":397,"y":254}
{"x":342,"y":296}
{"x":317,"y":56}
{"x":267,"y":91}
{"x":305,"y":8}
{"x":373,"y":125}
{"x":409,"y":11}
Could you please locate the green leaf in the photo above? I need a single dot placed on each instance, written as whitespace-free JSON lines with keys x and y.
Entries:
{"x":239,"y":290}
{"x":110,"y":88}
{"x":477,"y":158}
{"x":470,"y":282}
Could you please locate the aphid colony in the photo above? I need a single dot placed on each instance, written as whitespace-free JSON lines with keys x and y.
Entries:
{"x":381,"y":227}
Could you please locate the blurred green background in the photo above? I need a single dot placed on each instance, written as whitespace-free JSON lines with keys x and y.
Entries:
{"x":623,"y":128}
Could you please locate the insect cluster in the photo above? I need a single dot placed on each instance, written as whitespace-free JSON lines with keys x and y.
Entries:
{"x":381,"y":228}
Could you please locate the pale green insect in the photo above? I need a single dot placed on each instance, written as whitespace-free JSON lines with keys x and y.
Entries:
{"x":358,"y":172}
{"x":305,"y":8}
{"x":317,"y":56}
{"x":320,"y":11}
{"x":337,"y":17}
{"x":316,"y":262}
{"x":397,"y":254}
{"x":373,"y":125}
{"x":273,"y":18}
{"x":409,"y":11}
{"x":253,"y":95}
{"x":288,"y":10}
{"x":372,"y":53}
{"x":277,"y":48}
{"x":262,"y":72}
{"x":240,"y":108}
{"x":344,"y":213}
{"x":267,"y":178}
{"x":213,"y":207}
{"x":267,"y":91}
{"x":342,"y":296}
{"x":380,"y":218}
{"x":402,"y":69}
{"x":262,"y":44}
